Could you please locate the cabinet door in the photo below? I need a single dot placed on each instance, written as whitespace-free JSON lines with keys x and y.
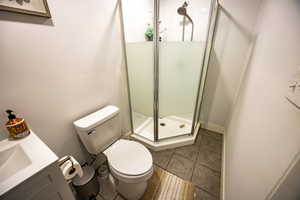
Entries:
{"x":58,"y":190}
{"x":31,"y":187}
{"x":48,"y":184}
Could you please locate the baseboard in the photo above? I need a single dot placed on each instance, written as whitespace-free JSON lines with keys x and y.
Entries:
{"x":222,"y":189}
{"x":213,"y":127}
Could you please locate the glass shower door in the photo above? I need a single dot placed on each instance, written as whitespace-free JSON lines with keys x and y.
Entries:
{"x":208,"y":48}
{"x":183,"y":27}
{"x":165,"y":43}
{"x":138,"y":31}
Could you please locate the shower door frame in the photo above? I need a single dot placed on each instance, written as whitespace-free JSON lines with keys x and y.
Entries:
{"x":212,"y":22}
{"x":210,"y":40}
{"x":156,"y":71}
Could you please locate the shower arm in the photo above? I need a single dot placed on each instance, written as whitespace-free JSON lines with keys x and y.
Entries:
{"x":192,"y":34}
{"x":182,"y":11}
{"x":185,"y":15}
{"x":190,"y":19}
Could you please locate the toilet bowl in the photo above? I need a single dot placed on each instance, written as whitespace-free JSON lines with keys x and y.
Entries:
{"x":131,"y":165}
{"x":129,"y":162}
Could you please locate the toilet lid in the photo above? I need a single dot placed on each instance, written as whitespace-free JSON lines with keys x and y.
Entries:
{"x":129,"y":157}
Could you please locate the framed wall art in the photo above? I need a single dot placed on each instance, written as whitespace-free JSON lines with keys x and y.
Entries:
{"x":31,"y":7}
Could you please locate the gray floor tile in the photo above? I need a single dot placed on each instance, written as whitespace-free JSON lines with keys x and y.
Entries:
{"x":162,"y":158}
{"x":181,"y":167}
{"x":215,"y":135}
{"x":211,"y":143}
{"x":207,"y":179}
{"x":210,"y":159}
{"x":119,"y":197}
{"x":198,"y":139}
{"x":99,"y":197}
{"x":202,"y":195}
{"x":190,"y":152}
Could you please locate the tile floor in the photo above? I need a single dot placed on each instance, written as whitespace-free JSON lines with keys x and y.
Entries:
{"x":199,"y":163}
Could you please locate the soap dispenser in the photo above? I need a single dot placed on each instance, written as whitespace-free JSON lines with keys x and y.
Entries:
{"x":16,"y":127}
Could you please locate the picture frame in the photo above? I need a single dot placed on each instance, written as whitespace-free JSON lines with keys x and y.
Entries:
{"x":30,"y":7}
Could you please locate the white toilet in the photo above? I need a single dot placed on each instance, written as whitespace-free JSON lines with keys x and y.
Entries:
{"x":130,"y":162}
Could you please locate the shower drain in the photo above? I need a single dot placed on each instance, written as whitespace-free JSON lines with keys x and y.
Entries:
{"x":162,"y":124}
{"x":182,"y":126}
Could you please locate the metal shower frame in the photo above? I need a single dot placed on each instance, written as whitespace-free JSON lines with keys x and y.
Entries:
{"x":207,"y":52}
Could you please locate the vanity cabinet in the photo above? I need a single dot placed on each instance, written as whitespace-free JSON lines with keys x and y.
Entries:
{"x":47,"y":184}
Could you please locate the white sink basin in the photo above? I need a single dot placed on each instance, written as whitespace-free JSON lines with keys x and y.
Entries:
{"x":21,"y":159}
{"x":13,"y":160}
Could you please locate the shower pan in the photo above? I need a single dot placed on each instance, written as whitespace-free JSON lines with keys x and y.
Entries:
{"x":166,"y":73}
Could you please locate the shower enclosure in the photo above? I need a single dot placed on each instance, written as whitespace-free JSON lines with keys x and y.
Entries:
{"x":167,"y":45}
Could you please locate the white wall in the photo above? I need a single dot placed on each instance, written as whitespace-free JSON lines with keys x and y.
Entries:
{"x":139,"y":13}
{"x":233,"y":39}
{"x":263,"y":134}
{"x":57,"y":70}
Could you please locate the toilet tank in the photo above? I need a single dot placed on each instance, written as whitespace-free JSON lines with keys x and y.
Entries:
{"x":100,"y":129}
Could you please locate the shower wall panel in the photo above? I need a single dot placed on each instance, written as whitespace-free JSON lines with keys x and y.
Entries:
{"x":140,"y":69}
{"x":180,"y":66}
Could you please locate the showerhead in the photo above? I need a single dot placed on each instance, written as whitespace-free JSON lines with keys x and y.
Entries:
{"x":182,"y":11}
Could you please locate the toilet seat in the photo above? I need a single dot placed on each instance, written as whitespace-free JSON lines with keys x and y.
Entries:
{"x":129,"y":160}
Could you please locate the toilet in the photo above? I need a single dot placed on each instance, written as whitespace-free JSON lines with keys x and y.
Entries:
{"x":130,"y":162}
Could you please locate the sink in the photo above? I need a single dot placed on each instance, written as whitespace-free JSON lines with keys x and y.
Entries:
{"x":21,"y":159}
{"x":13,"y":160}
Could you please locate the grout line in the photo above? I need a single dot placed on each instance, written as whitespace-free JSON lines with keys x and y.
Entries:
{"x":195,"y":162}
{"x":200,"y":188}
{"x":201,"y":135}
{"x":200,"y":163}
{"x":161,"y":167}
{"x":115,"y":197}
{"x":213,"y":149}
{"x":219,"y":172}
{"x":183,"y":156}
{"x":199,"y":149}
{"x":118,"y":194}
{"x":102,"y":195}
{"x":206,"y":191}
{"x":170,"y":159}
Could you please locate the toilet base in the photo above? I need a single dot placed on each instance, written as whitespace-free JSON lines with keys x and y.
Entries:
{"x":131,"y":191}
